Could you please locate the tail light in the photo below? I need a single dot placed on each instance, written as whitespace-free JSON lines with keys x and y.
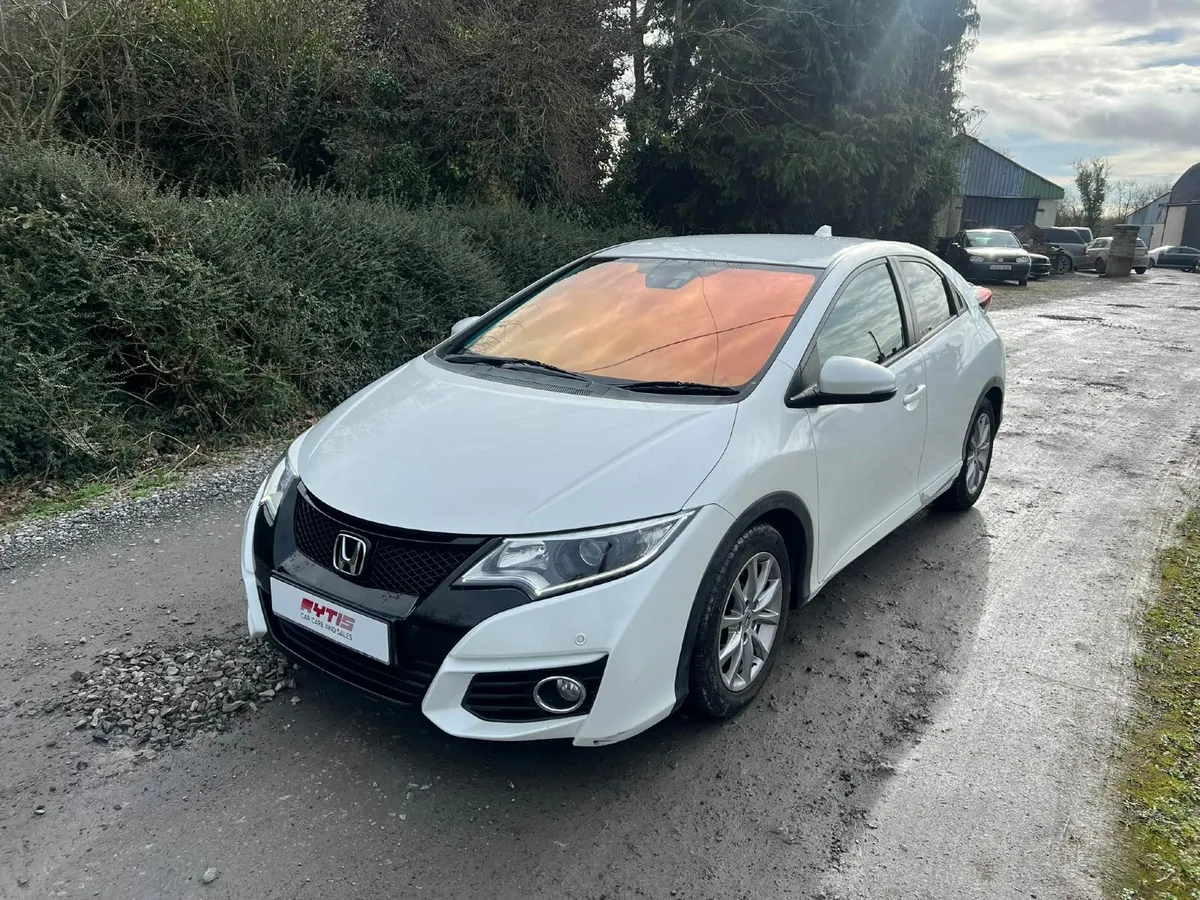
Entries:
{"x":985,"y":297}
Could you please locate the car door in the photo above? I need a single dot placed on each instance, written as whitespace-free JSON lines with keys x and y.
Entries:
{"x":948,"y":340}
{"x":868,"y":454}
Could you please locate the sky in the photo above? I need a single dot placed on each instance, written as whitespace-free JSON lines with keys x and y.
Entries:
{"x":1078,"y":78}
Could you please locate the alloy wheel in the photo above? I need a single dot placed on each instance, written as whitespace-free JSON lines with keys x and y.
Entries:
{"x":979,"y":452}
{"x":750,"y":621}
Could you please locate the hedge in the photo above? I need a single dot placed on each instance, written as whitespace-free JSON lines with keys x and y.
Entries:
{"x":133,"y":319}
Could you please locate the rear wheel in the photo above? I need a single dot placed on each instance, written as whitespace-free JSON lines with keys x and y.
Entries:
{"x":977,"y":462}
{"x":742,"y":622}
{"x":1141,"y":270}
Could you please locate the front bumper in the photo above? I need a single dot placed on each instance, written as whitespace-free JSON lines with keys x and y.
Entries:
{"x":985,"y":271}
{"x":632,"y":629}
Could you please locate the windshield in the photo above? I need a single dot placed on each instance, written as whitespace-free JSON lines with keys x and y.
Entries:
{"x":992,"y":239}
{"x":713,"y":323}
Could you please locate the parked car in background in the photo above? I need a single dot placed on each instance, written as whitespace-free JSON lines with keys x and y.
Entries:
{"x":1099,"y":249}
{"x":602,"y":498}
{"x":1186,"y":258}
{"x":1085,"y":233}
{"x":1044,"y":255}
{"x":1073,"y":245}
{"x":989,"y":254}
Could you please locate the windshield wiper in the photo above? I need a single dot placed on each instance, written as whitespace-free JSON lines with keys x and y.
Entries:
{"x":511,"y":362}
{"x":679,"y":387}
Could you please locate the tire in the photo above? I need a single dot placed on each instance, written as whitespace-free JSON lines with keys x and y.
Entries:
{"x":1063,"y":265}
{"x":1150,"y":263}
{"x":969,"y":484}
{"x":1101,"y":265}
{"x":1141,"y":270}
{"x":1022,"y":282}
{"x":717,"y":687}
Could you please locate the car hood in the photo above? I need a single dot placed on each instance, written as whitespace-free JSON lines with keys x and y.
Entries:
{"x":436,"y":450}
{"x":996,"y":253}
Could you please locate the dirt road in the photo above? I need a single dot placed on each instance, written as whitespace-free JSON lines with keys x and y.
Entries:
{"x":940,"y":726}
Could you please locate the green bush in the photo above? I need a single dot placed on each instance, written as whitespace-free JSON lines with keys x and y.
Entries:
{"x":524,"y":244}
{"x":131,"y":318}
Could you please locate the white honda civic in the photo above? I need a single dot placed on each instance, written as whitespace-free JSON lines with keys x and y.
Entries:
{"x":600,"y":500}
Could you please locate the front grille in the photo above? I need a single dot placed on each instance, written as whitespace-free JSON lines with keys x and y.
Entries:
{"x":404,"y":565}
{"x":403,"y":683}
{"x":508,"y":696}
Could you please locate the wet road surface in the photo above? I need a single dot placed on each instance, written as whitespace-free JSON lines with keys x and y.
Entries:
{"x":941,"y":723}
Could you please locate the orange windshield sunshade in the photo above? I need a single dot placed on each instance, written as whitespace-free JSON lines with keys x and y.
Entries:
{"x":719,"y":328}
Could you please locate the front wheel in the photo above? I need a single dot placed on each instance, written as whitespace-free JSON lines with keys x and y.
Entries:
{"x":1022,"y":282}
{"x":1062,"y":265}
{"x":1101,"y":265}
{"x":1141,"y":270}
{"x":977,"y":462}
{"x":745,"y":600}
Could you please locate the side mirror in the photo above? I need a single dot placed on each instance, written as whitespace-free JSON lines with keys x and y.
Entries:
{"x":956,"y":245}
{"x":463,"y":324}
{"x":845,"y":379}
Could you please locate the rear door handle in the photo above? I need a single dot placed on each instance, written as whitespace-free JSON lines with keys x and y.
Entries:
{"x":913,"y":395}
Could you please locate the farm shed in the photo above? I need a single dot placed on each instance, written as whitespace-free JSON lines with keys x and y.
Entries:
{"x":996,"y":192}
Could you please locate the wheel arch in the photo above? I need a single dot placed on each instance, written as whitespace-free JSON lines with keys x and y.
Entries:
{"x":993,"y":392}
{"x":790,"y":516}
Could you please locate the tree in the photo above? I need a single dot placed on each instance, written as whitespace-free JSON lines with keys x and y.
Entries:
{"x":795,"y":114}
{"x":503,"y":98}
{"x":1091,"y":180}
{"x":1070,"y":211}
{"x":1128,"y":195}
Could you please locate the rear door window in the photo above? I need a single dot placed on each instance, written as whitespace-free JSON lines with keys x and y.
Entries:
{"x":933,"y":303}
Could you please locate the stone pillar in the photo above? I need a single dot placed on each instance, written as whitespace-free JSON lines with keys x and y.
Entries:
{"x":1120,"y":253}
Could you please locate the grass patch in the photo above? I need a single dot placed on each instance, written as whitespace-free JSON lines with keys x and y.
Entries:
{"x":1161,"y":827}
{"x":145,"y":485}
{"x":77,"y":498}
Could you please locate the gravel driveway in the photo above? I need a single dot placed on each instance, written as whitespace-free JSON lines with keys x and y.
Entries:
{"x":940,"y":725}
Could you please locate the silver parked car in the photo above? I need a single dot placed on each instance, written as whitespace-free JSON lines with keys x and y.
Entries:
{"x":1098,"y":250}
{"x":1073,"y":245}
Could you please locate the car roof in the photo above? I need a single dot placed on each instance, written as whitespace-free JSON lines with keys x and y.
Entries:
{"x":806,"y":250}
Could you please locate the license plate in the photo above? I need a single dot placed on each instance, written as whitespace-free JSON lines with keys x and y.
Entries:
{"x":331,"y":620}
{"x":997,"y":266}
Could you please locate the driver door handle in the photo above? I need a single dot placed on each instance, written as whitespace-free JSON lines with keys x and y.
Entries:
{"x":913,"y":395}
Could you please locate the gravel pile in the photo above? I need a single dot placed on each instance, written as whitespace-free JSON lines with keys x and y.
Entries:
{"x":160,"y":697}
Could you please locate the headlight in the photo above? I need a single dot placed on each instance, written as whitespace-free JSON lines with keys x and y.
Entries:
{"x":277,"y":485}
{"x":976,"y":259}
{"x":281,"y":478}
{"x":554,"y":564}
{"x":1022,"y":259}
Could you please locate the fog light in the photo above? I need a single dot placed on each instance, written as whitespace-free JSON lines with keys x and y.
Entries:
{"x":559,"y":695}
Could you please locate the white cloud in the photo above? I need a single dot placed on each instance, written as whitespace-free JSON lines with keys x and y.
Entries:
{"x":1090,"y":77}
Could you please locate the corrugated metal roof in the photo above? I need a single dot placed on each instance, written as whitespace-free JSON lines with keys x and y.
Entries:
{"x":989,"y":173}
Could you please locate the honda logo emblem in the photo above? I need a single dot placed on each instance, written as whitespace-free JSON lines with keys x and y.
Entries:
{"x":349,"y":554}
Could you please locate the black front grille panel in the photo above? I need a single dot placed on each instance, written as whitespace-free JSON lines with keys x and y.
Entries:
{"x":508,"y":696}
{"x":403,"y":565}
